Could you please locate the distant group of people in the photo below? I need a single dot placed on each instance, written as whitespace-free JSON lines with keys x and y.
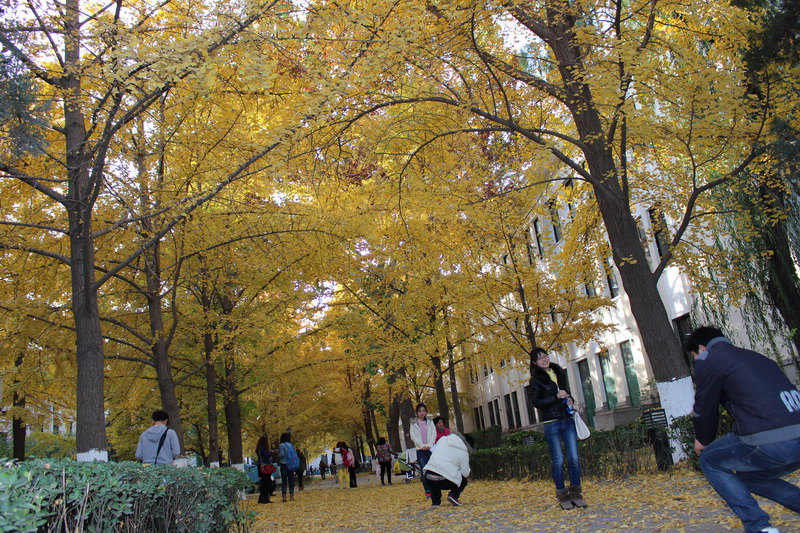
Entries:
{"x":763,"y":447}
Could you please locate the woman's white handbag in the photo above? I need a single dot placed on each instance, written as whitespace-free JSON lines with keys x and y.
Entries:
{"x":580,"y":427}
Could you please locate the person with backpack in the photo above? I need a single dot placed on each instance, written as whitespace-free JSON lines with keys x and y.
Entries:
{"x":290,"y":462}
{"x":158,"y":444}
{"x":384,"y":454}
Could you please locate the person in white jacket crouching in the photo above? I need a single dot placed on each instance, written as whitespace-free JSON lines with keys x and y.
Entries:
{"x":448,"y":467}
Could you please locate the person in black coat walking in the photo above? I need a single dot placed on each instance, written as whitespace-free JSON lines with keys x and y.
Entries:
{"x":264,"y":455}
{"x":549,"y":393}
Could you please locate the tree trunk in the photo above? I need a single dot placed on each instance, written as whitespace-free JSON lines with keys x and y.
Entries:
{"x":90,"y":411}
{"x":211,"y":399}
{"x":374,"y":420}
{"x":163,"y":365}
{"x":154,"y":284}
{"x":660,"y":342}
{"x":441,"y":393}
{"x":407,"y":414}
{"x":18,"y":428}
{"x":783,"y":286}
{"x":393,"y":421}
{"x":459,"y":416}
{"x":233,"y":414}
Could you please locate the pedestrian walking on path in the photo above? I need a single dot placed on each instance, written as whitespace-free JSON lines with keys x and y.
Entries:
{"x":549,"y":393}
{"x":384,"y":455}
{"x":289,"y":461}
{"x":765,"y":443}
{"x":265,"y":470}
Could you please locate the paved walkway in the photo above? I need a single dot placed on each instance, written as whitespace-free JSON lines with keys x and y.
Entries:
{"x":677,"y":501}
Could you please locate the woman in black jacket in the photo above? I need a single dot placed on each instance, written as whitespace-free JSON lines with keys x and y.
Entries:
{"x":264,"y":458}
{"x":549,"y":393}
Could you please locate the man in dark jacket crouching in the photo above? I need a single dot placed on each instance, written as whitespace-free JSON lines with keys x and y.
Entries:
{"x":765,"y":443}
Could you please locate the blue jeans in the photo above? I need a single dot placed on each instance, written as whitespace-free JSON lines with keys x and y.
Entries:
{"x":556,"y":432}
{"x":287,"y":480}
{"x":423,"y":456}
{"x":736,"y":469}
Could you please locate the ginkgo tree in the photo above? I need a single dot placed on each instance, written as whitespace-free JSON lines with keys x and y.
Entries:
{"x":643,"y":101}
{"x":108,"y":67}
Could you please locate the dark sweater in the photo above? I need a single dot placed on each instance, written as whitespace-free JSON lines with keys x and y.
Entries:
{"x":751,"y":387}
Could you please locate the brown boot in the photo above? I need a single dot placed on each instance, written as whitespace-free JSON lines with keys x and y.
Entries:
{"x":564,"y":499}
{"x":576,"y":496}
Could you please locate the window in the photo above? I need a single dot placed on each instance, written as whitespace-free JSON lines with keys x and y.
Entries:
{"x":659,"y":223}
{"x":590,"y":289}
{"x":497,"y":412}
{"x":643,"y":240}
{"x":502,"y":363}
{"x":492,"y":421}
{"x":588,"y":390}
{"x":509,"y":412}
{"x":538,"y":237}
{"x":483,"y":421}
{"x":485,"y":370}
{"x":609,"y":384}
{"x":555,"y":220}
{"x":630,"y":373}
{"x":611,"y":278}
{"x":568,"y":186}
{"x":683,"y":328}
{"x":529,"y":246}
{"x":515,"y":405}
{"x":477,"y":420}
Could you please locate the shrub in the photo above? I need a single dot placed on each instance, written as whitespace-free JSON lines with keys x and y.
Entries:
{"x":623,"y":451}
{"x":49,"y":445}
{"x":682,"y":431}
{"x":65,"y":495}
{"x":488,"y":438}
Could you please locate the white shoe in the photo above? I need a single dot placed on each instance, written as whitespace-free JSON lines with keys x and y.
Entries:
{"x":770,"y":530}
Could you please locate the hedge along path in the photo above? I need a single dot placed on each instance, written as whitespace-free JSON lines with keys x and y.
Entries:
{"x":661,"y":503}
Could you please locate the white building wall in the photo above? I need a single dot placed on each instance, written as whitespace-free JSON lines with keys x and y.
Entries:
{"x":679,"y":301}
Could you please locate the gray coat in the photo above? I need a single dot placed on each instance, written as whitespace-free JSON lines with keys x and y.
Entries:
{"x":148,"y":444}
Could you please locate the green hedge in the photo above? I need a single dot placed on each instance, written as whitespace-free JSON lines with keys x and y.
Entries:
{"x":65,"y":495}
{"x":621,"y":452}
{"x":488,"y":438}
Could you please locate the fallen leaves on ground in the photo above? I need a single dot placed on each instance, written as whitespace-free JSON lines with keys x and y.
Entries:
{"x":678,"y":501}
